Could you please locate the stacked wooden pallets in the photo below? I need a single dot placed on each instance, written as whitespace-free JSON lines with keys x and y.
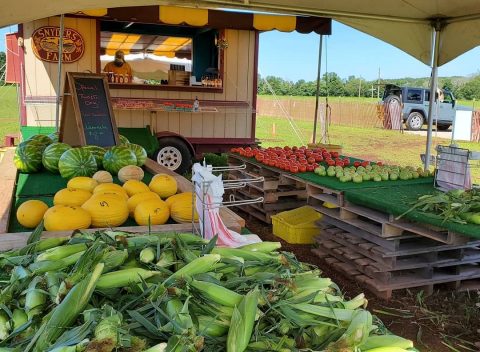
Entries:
{"x":279,"y":192}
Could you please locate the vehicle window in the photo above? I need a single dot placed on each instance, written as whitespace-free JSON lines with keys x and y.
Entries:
{"x":427,"y":95}
{"x":414,"y":95}
{"x":447,"y":98}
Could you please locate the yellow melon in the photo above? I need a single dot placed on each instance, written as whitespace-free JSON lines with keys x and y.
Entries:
{"x":75,"y":197}
{"x":181,"y":210}
{"x":82,"y":182}
{"x":30,"y":213}
{"x":110,"y":187}
{"x":103,"y":176}
{"x":121,"y":195}
{"x":179,"y":197}
{"x":130,"y":172}
{"x":155,"y":210}
{"x":164,"y":185}
{"x":106,"y":210}
{"x":136,"y":199}
{"x":134,"y":186}
{"x":66,"y":217}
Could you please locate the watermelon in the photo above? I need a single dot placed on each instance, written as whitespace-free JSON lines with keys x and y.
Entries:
{"x":123,"y":140}
{"x":51,"y":156}
{"x":98,"y":153}
{"x":28,"y":157}
{"x":140,"y":153}
{"x":77,"y":162}
{"x":53,"y":136}
{"x":118,"y":157}
{"x":41,"y":139}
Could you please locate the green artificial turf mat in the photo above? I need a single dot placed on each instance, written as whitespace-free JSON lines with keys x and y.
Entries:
{"x":397,"y":200}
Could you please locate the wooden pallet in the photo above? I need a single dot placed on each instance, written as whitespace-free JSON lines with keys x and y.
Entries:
{"x":325,"y":194}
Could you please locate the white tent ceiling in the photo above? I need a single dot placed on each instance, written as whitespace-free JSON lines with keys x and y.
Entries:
{"x":406,"y":24}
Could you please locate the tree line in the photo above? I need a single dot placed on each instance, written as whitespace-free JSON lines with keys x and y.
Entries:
{"x":333,"y":85}
{"x":3,"y":60}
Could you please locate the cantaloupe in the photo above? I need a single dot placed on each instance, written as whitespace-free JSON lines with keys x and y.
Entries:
{"x":103,"y":176}
{"x":130,"y":172}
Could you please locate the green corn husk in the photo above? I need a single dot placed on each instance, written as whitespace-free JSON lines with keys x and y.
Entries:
{"x":356,"y":333}
{"x":200,"y":265}
{"x":35,"y":297}
{"x":242,"y":322}
{"x":387,"y":349}
{"x":263,"y":247}
{"x":377,"y":341}
{"x":61,"y":252}
{"x":166,"y":259}
{"x":66,"y":312}
{"x":114,"y":259}
{"x":246,"y":254}
{"x":208,"y":326}
{"x":325,"y":312}
{"x":125,"y":277}
{"x":36,"y":247}
{"x":54,"y":265}
{"x":147,"y":255}
{"x":162,"y":239}
{"x":54,"y":280}
{"x":107,"y":332}
{"x":4,"y":326}
{"x":216,"y":293}
{"x":19,"y":317}
{"x":161,"y":347}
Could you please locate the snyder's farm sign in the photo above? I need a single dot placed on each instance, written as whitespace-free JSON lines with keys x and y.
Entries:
{"x":45,"y":42}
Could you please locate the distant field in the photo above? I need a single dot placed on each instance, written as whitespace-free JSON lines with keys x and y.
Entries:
{"x":471,"y":103}
{"x":8,"y":111}
{"x":366,"y":143}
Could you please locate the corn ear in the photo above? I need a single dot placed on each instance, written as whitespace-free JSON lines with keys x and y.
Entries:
{"x":54,"y":265}
{"x":212,"y":327}
{"x":200,"y":265}
{"x":61,"y":252}
{"x":264,"y":247}
{"x":114,"y":259}
{"x":387,"y":349}
{"x":122,"y":278}
{"x":242,"y":322}
{"x":19,"y":317}
{"x":147,"y":255}
{"x":66,"y":312}
{"x":35,"y":297}
{"x":325,"y":312}
{"x":161,"y":347}
{"x":4,"y":326}
{"x":245,"y":254}
{"x":377,"y":341}
{"x":217,"y":293}
{"x":36,"y":247}
{"x":166,"y":259}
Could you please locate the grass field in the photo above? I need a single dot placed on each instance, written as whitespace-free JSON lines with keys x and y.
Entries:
{"x":376,"y":144}
{"x":8,"y":111}
{"x":470,"y":103}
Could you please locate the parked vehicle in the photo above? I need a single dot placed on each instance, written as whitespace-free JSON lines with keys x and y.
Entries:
{"x":415,"y":102}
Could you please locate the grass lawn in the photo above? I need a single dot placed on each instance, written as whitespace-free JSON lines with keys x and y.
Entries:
{"x":8,"y":111}
{"x":366,"y":143}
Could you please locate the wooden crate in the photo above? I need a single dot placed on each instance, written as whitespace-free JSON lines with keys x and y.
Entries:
{"x":178,"y":78}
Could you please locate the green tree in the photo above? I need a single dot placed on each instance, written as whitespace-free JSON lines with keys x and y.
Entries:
{"x":3,"y":60}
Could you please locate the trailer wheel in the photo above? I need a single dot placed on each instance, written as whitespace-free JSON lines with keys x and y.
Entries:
{"x":174,"y":154}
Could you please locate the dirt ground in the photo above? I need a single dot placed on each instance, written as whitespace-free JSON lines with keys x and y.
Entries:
{"x":444,"y":321}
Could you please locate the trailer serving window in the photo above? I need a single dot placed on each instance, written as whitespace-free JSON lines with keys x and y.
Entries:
{"x":157,"y":55}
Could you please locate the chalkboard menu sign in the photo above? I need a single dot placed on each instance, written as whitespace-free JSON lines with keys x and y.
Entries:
{"x":87,"y":114}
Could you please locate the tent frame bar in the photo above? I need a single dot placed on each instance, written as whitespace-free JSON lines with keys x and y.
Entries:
{"x":60,"y":62}
{"x":317,"y":94}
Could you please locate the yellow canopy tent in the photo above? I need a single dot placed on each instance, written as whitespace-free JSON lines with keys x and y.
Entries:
{"x":434,"y":31}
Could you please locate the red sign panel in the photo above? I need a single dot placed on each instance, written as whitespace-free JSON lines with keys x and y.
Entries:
{"x":13,"y":59}
{"x":45,"y":43}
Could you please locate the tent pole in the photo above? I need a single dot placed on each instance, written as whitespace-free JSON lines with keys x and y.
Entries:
{"x":433,"y":90}
{"x":59,"y":80}
{"x":315,"y":120}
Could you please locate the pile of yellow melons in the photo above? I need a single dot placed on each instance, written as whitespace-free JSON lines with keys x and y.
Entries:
{"x":98,"y":202}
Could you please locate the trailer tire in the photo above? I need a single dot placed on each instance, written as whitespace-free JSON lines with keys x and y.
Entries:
{"x":174,"y":154}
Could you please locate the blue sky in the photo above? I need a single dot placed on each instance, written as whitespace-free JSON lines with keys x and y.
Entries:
{"x":347,"y":52}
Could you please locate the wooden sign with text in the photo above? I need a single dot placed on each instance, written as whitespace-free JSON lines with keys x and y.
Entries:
{"x":87,"y":114}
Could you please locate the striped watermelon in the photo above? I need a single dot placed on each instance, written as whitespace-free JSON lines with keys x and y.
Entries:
{"x":77,"y":162}
{"x":53,"y":136}
{"x":98,"y":153}
{"x":123,"y":140}
{"x":118,"y":157}
{"x":51,"y":156}
{"x":140,"y":153}
{"x":28,"y":157}
{"x":41,"y":139}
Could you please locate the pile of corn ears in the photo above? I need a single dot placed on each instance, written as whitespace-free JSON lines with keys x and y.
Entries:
{"x":116,"y":291}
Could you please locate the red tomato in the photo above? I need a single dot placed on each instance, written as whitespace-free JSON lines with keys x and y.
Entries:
{"x":365,"y":163}
{"x":339,"y":163}
{"x":303,"y":161}
{"x":294,"y":168}
{"x":380,"y":163}
{"x":346,"y":161}
{"x":311,"y":160}
{"x":357,"y":163}
{"x":286,"y":148}
{"x":302,"y":168}
{"x":315,"y":166}
{"x":334,"y":154}
{"x":310,"y":168}
{"x":330,"y":162}
{"x":248,"y":149}
{"x":294,"y":148}
{"x":308,"y":152}
{"x":326,"y":155}
{"x":318,"y":158}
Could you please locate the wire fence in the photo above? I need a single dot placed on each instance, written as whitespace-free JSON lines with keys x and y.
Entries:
{"x":350,"y":113}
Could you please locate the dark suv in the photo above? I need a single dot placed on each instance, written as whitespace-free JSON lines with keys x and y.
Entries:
{"x":415,"y":102}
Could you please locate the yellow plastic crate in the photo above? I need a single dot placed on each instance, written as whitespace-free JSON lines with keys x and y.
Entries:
{"x":297,"y":225}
